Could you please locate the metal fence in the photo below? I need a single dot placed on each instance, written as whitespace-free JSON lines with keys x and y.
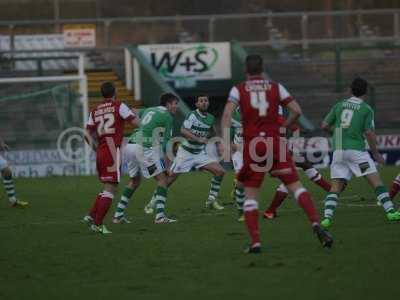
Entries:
{"x":277,"y":30}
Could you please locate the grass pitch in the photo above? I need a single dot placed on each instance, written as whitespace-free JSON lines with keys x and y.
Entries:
{"x":47,"y":253}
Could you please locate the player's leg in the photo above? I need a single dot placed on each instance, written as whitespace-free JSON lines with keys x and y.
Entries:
{"x":103,"y":204}
{"x":304,"y":200}
{"x":395,"y":187}
{"x":280,"y":195}
{"x":109,"y":171}
{"x":127,"y":193}
{"x":161,"y":199}
{"x":218,"y":171}
{"x":340,"y":174}
{"x":285,"y":170}
{"x":238,"y":188}
{"x":251,"y":214}
{"x":362,"y":165}
{"x":239,"y":199}
{"x":150,"y":206}
{"x":331,"y":199}
{"x":313,"y":174}
{"x":9,"y":186}
{"x":130,"y":152}
{"x":382,"y":196}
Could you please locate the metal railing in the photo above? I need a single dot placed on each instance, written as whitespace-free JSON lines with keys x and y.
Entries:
{"x":276,"y":29}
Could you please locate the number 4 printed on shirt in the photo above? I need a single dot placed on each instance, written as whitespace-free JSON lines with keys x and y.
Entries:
{"x":259,"y":101}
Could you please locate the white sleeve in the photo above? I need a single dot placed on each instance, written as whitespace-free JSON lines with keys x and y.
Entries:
{"x":187,"y":124}
{"x":125,"y":112}
{"x":234,"y":95}
{"x":90,"y":121}
{"x":280,"y":110}
{"x":283,"y":93}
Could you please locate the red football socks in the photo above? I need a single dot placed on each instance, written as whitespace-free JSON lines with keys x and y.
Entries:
{"x":306,"y":203}
{"x":103,"y":205}
{"x":277,"y":201}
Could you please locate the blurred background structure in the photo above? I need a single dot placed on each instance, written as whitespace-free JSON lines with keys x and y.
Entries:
{"x":313,"y":47}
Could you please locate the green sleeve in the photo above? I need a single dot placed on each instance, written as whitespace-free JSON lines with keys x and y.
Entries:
{"x":369,"y":123}
{"x":330,"y":118}
{"x":168,"y":132}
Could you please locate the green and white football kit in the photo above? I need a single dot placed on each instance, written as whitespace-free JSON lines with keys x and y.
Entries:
{"x":192,"y":154}
{"x":146,"y":146}
{"x":350,"y":119}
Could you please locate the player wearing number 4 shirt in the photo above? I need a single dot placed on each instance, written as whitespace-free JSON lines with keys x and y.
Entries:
{"x":353,"y":121}
{"x":264,"y":151}
{"x":105,"y":129}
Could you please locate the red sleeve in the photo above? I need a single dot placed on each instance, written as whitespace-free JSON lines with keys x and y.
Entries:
{"x":286,"y":101}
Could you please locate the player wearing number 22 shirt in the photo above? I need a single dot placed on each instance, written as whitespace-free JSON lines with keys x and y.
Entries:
{"x":106,"y":126}
{"x":264,"y":150}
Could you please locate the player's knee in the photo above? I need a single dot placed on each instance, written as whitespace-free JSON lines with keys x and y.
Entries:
{"x":134,"y":182}
{"x":111,"y":188}
{"x":6,"y":172}
{"x":294,"y":187}
{"x":338,"y":185}
{"x":162,"y":180}
{"x":220,"y":172}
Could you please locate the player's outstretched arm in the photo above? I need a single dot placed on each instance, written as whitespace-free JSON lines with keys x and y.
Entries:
{"x":188,"y":135}
{"x":373,"y":146}
{"x":294,"y":113}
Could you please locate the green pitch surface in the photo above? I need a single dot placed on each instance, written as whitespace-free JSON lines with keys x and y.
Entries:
{"x":47,"y":253}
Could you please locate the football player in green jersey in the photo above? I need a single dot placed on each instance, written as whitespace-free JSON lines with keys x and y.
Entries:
{"x":8,"y":180}
{"x":352,"y":122}
{"x":192,"y":154}
{"x":145,"y":152}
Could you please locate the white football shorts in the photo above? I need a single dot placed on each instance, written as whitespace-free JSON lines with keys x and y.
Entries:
{"x":346,"y":163}
{"x":146,"y":160}
{"x":185,"y":161}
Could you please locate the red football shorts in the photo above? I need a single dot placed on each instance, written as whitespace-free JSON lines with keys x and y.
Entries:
{"x":266,"y":155}
{"x":108,"y":164}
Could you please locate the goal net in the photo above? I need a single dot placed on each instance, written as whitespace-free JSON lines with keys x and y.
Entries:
{"x":42,"y":121}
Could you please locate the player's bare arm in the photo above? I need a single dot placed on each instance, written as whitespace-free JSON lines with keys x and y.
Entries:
{"x":325,"y":127}
{"x":135,"y":121}
{"x":373,"y":146}
{"x":91,"y":139}
{"x":226,"y":123}
{"x":187,"y":134}
{"x":294,"y":113}
{"x":226,"y":120}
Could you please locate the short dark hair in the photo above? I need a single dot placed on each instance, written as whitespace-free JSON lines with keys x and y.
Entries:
{"x":201,"y":96}
{"x":254,"y":64}
{"x":167,"y":98}
{"x":108,"y":90}
{"x":359,"y":87}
